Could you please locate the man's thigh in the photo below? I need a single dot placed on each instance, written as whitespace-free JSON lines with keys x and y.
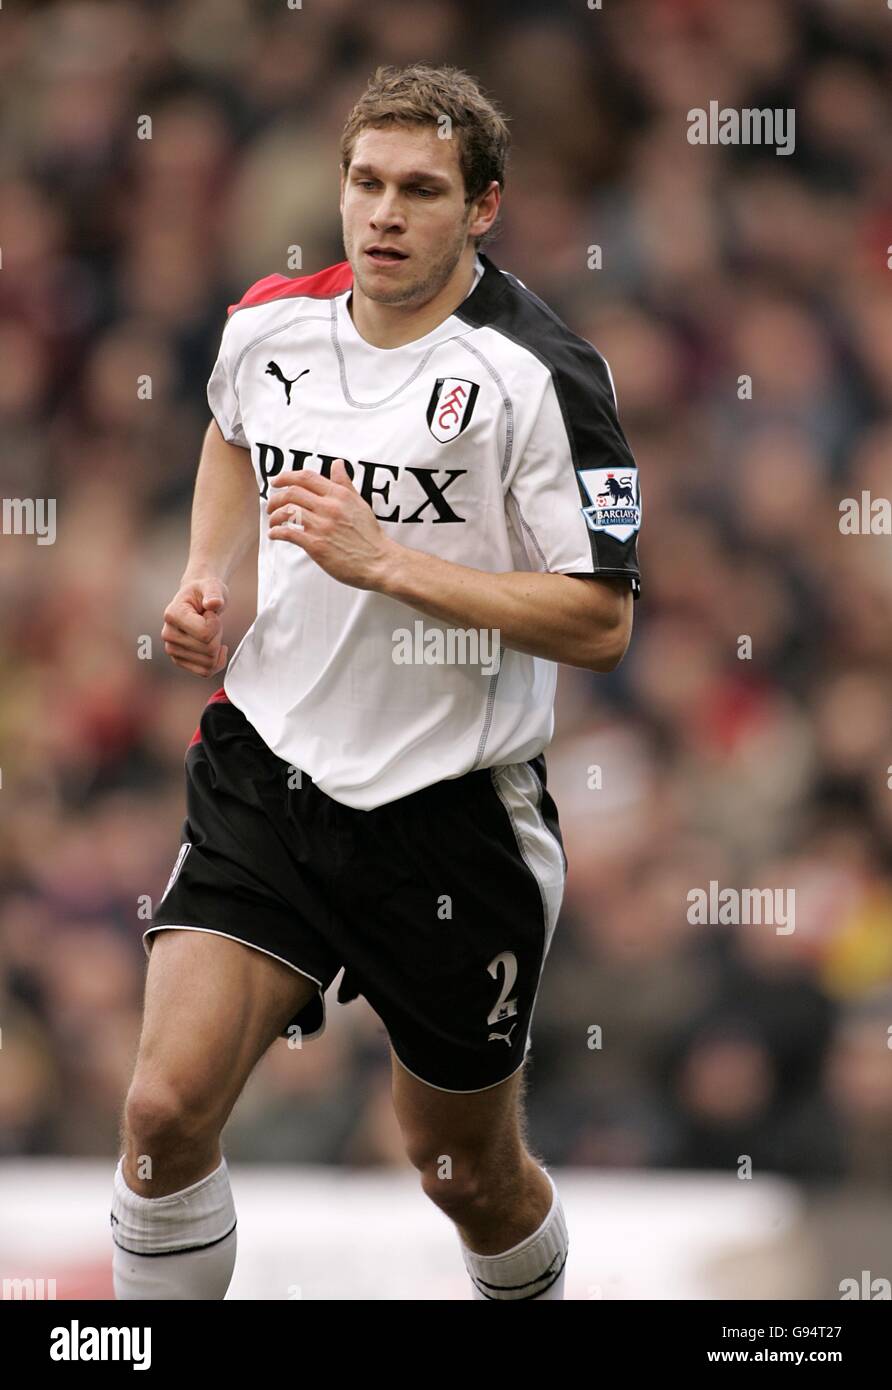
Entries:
{"x":212,"y":1008}
{"x":477,"y":1125}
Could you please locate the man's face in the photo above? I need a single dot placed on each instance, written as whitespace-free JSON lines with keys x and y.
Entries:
{"x":404,"y":190}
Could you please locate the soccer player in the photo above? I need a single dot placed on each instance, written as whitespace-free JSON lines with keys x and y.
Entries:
{"x":447,"y":508}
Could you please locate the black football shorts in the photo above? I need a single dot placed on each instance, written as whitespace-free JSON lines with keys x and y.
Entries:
{"x":440,"y":906}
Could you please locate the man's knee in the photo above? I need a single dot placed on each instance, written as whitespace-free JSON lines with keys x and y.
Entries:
{"x":470,"y":1180}
{"x":163,"y":1114}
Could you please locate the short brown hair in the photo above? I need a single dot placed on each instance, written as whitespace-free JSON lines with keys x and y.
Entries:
{"x":422,"y":95}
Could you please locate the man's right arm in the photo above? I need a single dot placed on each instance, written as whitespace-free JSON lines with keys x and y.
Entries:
{"x":225,"y":522}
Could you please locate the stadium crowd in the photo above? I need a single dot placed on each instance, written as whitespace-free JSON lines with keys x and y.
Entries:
{"x":742,"y":299}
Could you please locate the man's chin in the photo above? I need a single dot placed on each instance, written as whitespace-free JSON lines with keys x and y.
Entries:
{"x":375,"y":288}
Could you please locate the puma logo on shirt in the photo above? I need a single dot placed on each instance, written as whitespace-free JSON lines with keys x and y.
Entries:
{"x":273,"y":369}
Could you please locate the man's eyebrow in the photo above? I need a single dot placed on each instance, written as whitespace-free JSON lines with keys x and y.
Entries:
{"x":412,"y":176}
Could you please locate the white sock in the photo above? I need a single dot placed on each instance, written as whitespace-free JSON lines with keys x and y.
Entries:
{"x":181,"y":1246}
{"x":532,"y":1269}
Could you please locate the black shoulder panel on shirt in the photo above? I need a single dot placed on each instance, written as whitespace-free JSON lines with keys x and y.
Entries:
{"x":582,"y":385}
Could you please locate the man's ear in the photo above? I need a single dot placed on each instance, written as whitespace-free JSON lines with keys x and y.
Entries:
{"x":490,"y":201}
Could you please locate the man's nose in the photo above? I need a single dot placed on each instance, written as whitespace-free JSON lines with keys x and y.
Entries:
{"x":387,"y":212}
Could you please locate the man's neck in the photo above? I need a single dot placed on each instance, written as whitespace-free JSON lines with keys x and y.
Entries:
{"x":395,"y":325}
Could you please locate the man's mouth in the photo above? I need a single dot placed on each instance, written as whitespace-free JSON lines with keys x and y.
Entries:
{"x":384,"y":255}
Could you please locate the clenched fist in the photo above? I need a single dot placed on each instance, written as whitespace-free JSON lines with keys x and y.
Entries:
{"x":193,"y":627}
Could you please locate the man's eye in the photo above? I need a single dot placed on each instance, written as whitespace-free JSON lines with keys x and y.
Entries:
{"x":365,"y":183}
{"x":426,"y":192}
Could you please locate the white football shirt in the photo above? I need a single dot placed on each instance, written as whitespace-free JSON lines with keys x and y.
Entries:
{"x":492,"y":441}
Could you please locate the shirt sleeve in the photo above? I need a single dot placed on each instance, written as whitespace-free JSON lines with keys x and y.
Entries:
{"x":574,"y":500}
{"x":222,"y":395}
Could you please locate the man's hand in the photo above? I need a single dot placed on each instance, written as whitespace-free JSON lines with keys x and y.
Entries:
{"x":332,"y":523}
{"x":193,"y":627}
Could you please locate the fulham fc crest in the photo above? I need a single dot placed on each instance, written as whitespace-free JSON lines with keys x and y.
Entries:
{"x":450,"y":407}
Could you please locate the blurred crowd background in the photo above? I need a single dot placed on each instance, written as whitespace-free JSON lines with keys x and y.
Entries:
{"x":119,"y":257}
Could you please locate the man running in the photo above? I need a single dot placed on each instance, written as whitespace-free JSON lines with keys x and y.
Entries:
{"x":448,"y":507}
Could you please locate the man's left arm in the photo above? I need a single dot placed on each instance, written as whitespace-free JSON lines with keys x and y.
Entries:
{"x":579,"y":621}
